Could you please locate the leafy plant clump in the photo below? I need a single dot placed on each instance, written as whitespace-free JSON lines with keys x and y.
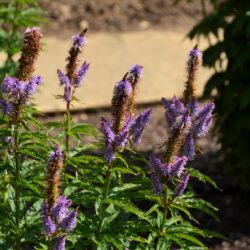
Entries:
{"x":59,"y":192}
{"x":230,"y":83}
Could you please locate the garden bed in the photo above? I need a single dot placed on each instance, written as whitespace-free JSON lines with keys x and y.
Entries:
{"x":232,"y":203}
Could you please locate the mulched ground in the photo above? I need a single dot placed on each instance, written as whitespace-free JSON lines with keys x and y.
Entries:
{"x":233,"y":204}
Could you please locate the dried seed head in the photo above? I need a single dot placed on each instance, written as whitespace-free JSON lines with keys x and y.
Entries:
{"x":54,"y":168}
{"x":194,"y":61}
{"x":120,"y":100}
{"x":30,"y":51}
{"x":78,"y":42}
{"x":133,"y":76}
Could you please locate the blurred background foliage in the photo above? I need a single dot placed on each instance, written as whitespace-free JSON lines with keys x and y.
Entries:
{"x":229,"y":22}
{"x":14,"y":16}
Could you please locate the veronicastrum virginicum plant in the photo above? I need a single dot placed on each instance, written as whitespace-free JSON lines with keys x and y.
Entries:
{"x":93,"y":200}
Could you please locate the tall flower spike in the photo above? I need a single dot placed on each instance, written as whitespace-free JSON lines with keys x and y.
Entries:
{"x":60,"y":243}
{"x":79,"y":78}
{"x":107,"y":130}
{"x":54,"y":168}
{"x":133,"y":76}
{"x":178,"y":165}
{"x":30,"y":51}
{"x":49,"y":226}
{"x":203,"y":120}
{"x":69,"y":222}
{"x":6,"y":107}
{"x":120,"y":100}
{"x":31,"y":85}
{"x":182,"y":184}
{"x":189,"y":146}
{"x":63,"y":79}
{"x":193,"y":107}
{"x":194,"y":61}
{"x":155,"y":163}
{"x":138,"y":125}
{"x":157,"y":186}
{"x":79,"y":41}
{"x":174,"y":109}
{"x":177,"y":135}
{"x":60,"y":209}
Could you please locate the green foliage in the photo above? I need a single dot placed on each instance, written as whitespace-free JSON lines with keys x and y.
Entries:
{"x":117,"y":208}
{"x":229,"y":22}
{"x":14,"y":16}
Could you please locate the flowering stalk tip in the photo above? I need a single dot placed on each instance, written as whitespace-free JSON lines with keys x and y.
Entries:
{"x":194,"y":61}
{"x":54,"y":168}
{"x":30,"y":51}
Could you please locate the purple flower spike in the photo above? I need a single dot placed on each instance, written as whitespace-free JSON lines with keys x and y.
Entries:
{"x":122,"y":89}
{"x":157,"y":186}
{"x":69,"y":223}
{"x":178,"y":105}
{"x":60,"y":243}
{"x":206,"y":111}
{"x":81,"y":74}
{"x":193,"y":107}
{"x":60,"y":209}
{"x":178,"y":165}
{"x":195,"y":54}
{"x":189,"y":147}
{"x":106,"y":129}
{"x":182,"y":184}
{"x":135,"y":74}
{"x":79,"y":41}
{"x":109,"y":154}
{"x":169,"y":112}
{"x":56,"y":154}
{"x":121,"y":138}
{"x":203,"y":120}
{"x":6,"y":107}
{"x":155,"y":163}
{"x":63,"y":79}
{"x":18,"y":91}
{"x":38,"y":80}
{"x":174,"y":110}
{"x":139,"y":124}
{"x":136,"y":70}
{"x":31,"y":85}
{"x":67,"y":93}
{"x":49,"y":226}
{"x":8,"y":84}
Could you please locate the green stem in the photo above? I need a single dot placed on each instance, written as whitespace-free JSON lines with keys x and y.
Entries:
{"x":105,"y":195}
{"x":165,"y":207}
{"x":49,"y":243}
{"x":17,"y":188}
{"x":67,"y":126}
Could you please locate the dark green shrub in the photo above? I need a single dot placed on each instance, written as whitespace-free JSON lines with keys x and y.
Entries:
{"x":231,"y":83}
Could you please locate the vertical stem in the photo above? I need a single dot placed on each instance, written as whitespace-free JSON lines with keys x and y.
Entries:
{"x":17,"y":188}
{"x":67,"y":125}
{"x":105,"y":195}
{"x":165,"y":207}
{"x":49,"y":243}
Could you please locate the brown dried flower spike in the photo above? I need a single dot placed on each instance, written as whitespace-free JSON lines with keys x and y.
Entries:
{"x":54,"y":168}
{"x":30,"y":51}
